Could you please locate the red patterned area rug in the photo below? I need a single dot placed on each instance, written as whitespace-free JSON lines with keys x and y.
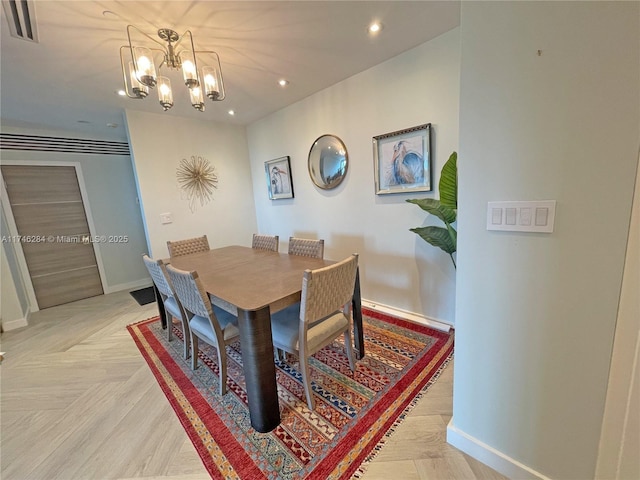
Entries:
{"x":355,"y":412}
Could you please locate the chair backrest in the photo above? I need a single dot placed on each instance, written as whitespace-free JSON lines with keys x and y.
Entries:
{"x":190,"y":291}
{"x":265,"y":242}
{"x":187,"y":246}
{"x":327,"y":289}
{"x":306,"y":247}
{"x":158,"y":275}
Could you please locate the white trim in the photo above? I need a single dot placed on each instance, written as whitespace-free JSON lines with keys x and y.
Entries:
{"x":414,"y":317}
{"x":25,"y":278}
{"x":128,"y":286}
{"x":490,"y":456}
{"x":13,"y":229}
{"x":8,"y":325}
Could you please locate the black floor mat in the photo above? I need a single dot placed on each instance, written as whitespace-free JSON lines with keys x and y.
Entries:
{"x":144,"y":295}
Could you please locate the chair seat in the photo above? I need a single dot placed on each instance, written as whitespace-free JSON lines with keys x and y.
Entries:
{"x":202,"y":328}
{"x":172,"y":307}
{"x":285,"y":327}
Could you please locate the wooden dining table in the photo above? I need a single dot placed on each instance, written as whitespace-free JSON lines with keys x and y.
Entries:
{"x":258,"y":283}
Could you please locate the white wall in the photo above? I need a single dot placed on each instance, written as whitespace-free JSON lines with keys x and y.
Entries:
{"x":158,"y":143}
{"x":536,"y":313}
{"x":397,"y":267}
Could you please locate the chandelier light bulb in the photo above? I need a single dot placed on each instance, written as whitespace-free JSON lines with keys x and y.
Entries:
{"x":212,"y":82}
{"x":146,"y":70}
{"x":209,"y":81}
{"x":139,"y":90}
{"x":196,"y":98}
{"x":189,"y":67}
{"x":189,"y":72}
{"x":165,"y":95}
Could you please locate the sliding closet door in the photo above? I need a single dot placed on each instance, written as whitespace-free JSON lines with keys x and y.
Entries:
{"x":50,"y":217}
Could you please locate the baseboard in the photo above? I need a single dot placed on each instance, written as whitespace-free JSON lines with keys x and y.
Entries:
{"x":17,"y":323}
{"x":145,"y":282}
{"x":414,"y":317}
{"x":490,"y":456}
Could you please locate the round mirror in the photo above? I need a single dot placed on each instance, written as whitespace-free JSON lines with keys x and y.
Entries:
{"x":328,"y":160}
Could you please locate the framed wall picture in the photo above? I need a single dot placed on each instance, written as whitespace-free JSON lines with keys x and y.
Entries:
{"x":279,"y":181}
{"x":402,"y":160}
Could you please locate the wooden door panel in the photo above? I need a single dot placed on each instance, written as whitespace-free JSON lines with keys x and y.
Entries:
{"x":51,"y":219}
{"x":44,"y":258}
{"x":65,"y":287}
{"x":25,"y":184}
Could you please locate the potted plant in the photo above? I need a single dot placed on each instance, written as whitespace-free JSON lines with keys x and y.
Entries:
{"x":445,"y":209}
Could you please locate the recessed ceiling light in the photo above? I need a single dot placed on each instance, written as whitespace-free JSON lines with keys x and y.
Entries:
{"x":122,"y":93}
{"x":84,"y":122}
{"x":375,"y":27}
{"x":283,"y":82}
{"x":231,"y":112}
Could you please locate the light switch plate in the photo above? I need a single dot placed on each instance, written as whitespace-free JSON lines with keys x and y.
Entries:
{"x":165,"y":218}
{"x":522,"y":216}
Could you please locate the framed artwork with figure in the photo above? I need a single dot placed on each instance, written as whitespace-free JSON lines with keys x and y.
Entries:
{"x":279,"y":181}
{"x":402,"y":160}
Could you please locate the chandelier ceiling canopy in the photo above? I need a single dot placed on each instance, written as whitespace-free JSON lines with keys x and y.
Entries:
{"x":139,"y":58}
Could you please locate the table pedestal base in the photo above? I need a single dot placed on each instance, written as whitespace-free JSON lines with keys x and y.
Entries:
{"x":259,"y":368}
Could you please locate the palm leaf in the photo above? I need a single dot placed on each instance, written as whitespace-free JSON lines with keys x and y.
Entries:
{"x":438,"y":237}
{"x":435,"y":207}
{"x":448,"y":185}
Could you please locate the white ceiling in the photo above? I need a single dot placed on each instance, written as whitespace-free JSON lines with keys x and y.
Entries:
{"x":72,"y":74}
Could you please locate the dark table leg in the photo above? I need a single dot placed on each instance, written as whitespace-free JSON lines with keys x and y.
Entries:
{"x":259,"y":368}
{"x":358,"y":334}
{"x":163,"y":314}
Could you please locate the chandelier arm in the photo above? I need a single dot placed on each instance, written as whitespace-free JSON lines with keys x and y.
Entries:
{"x":145,"y":34}
{"x":164,"y":58}
{"x":179,"y":41}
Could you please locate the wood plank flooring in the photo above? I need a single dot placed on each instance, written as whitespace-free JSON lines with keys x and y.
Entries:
{"x":79,"y":402}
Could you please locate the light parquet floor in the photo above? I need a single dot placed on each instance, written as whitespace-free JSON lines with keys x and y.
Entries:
{"x":79,"y":402}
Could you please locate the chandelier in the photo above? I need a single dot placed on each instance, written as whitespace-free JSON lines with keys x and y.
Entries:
{"x":176,"y":52}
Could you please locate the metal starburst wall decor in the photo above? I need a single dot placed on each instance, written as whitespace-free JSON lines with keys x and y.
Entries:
{"x":197,"y":179}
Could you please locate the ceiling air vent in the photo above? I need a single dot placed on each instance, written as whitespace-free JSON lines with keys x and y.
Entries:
{"x":21,"y":18}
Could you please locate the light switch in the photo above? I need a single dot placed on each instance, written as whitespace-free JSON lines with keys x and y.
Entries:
{"x":165,"y":218}
{"x":522,"y":216}
{"x":542,"y":214}
{"x":496,"y":216}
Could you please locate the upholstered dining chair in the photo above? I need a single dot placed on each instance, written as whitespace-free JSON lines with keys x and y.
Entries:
{"x":306,"y":247}
{"x":322,"y":315}
{"x":187,"y":246}
{"x":206,"y":321}
{"x":265,"y":242}
{"x":172,"y":305}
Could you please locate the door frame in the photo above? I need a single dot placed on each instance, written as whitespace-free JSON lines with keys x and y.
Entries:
{"x":13,"y":229}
